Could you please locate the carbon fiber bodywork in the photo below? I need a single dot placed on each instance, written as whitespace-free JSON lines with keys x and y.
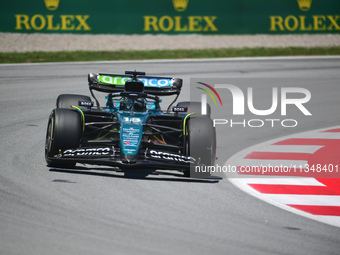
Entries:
{"x":131,"y":130}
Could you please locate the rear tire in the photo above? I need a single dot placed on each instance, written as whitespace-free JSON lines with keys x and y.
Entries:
{"x":201,"y":145}
{"x":67,"y":100}
{"x":64,"y":131}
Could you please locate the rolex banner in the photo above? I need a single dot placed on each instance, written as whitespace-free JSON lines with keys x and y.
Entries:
{"x":170,"y":16}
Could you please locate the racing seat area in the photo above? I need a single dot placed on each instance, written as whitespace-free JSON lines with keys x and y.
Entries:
{"x":139,"y":105}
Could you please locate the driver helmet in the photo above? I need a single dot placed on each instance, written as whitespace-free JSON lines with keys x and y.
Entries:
{"x":140,"y":105}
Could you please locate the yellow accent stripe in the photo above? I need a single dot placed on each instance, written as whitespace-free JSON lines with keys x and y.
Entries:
{"x":185,"y":119}
{"x":82,"y":114}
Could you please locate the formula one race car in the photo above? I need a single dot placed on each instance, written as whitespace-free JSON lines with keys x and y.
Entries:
{"x":131,"y":131}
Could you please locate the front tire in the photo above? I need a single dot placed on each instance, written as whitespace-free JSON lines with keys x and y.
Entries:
{"x":201,"y":145}
{"x":64,"y":131}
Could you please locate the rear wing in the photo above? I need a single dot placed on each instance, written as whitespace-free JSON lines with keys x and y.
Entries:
{"x":158,"y":86}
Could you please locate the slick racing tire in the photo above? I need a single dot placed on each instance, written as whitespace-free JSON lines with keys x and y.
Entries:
{"x":67,"y":100}
{"x":64,"y":131}
{"x":195,"y":107}
{"x":201,"y":145}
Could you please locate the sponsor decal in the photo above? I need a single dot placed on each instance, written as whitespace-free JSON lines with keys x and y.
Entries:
{"x":304,"y":23}
{"x":170,"y":156}
{"x":180,"y":5}
{"x":86,"y":103}
{"x":151,"y":106}
{"x":131,"y":120}
{"x":179,"y":109}
{"x":148,"y":82}
{"x":51,"y":22}
{"x":167,"y":23}
{"x":304,"y":5}
{"x":52,"y":5}
{"x":180,"y":24}
{"x":81,"y":152}
{"x":130,"y":143}
{"x":130,"y":135}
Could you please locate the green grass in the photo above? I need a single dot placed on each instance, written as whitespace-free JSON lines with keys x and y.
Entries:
{"x":36,"y":57}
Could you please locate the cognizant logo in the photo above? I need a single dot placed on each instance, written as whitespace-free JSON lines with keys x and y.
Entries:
{"x":295,"y":96}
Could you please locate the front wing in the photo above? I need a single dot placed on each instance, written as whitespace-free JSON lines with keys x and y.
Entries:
{"x":110,"y":156}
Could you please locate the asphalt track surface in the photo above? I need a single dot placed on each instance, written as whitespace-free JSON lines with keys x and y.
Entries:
{"x":100,"y":210}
